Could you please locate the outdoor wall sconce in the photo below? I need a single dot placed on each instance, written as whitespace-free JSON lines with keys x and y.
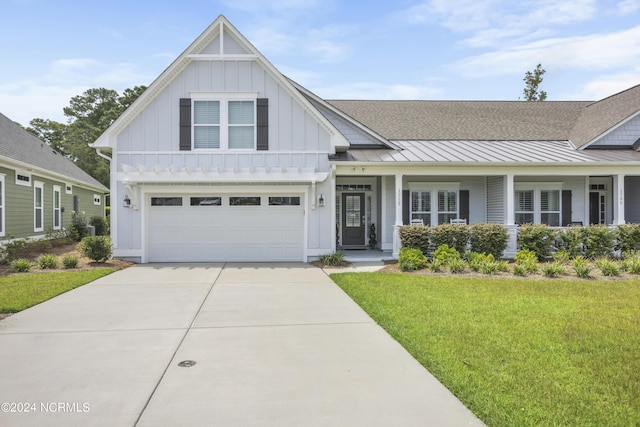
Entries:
{"x":126,"y":202}
{"x":321,"y":201}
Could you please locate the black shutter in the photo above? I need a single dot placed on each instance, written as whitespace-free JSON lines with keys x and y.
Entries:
{"x":406,"y":201}
{"x":185,"y":124}
{"x":566,"y":207}
{"x":262,"y":122}
{"x":464,"y":205}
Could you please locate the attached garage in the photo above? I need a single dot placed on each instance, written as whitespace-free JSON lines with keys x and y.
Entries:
{"x":221,"y":228}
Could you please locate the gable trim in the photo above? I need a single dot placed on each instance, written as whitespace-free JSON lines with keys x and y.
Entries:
{"x":218,"y":27}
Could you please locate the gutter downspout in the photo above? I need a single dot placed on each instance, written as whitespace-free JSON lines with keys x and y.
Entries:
{"x":101,"y":154}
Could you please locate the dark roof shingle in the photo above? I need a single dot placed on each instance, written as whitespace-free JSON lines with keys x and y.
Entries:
{"x":18,"y":144}
{"x":466,"y":120}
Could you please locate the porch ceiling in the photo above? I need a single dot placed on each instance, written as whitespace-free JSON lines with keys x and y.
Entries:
{"x":526,"y":152}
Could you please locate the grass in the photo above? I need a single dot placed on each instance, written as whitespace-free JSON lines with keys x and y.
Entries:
{"x":19,"y":292}
{"x":518,"y":352}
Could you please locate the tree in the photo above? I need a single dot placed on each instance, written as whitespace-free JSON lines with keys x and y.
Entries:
{"x":89,"y":115}
{"x":532,"y":80}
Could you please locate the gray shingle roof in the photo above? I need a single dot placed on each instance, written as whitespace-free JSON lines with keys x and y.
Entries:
{"x":18,"y":144}
{"x":466,"y":120}
{"x":598,"y":117}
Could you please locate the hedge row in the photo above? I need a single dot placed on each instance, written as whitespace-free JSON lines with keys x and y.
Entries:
{"x":481,"y":238}
{"x":591,"y":242}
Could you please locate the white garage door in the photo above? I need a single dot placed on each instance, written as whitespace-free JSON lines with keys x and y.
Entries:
{"x":212,"y":228}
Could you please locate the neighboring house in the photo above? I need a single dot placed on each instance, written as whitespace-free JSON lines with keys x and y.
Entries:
{"x":223,"y":158}
{"x":39,"y":187}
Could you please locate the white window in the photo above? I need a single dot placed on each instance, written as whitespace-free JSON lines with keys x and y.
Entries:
{"x":434,"y":203}
{"x":2,"y":232}
{"x":56,"y":207}
{"x":68,"y":188}
{"x":224,"y":122}
{"x":538,"y":204}
{"x":97,"y":200}
{"x":38,"y":220}
{"x":23,"y":178}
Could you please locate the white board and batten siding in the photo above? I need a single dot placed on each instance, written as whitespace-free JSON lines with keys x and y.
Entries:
{"x":150,"y":142}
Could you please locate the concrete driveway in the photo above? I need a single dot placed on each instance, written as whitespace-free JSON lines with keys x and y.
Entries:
{"x":273,"y":345}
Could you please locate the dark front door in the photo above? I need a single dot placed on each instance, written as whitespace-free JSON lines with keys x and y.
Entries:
{"x":352,"y":219}
{"x":596,"y":208}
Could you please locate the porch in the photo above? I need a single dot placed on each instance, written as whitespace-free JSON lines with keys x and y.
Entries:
{"x":369,"y":209}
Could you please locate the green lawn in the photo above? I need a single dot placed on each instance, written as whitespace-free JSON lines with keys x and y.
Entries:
{"x":518,"y":352}
{"x":18,"y":292}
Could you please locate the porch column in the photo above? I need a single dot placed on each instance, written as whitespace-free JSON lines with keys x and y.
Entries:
{"x":510,"y":216}
{"x":398,"y":221}
{"x":509,"y":198}
{"x":618,"y":200}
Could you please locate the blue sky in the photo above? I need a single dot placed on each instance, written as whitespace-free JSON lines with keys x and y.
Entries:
{"x":403,"y":49}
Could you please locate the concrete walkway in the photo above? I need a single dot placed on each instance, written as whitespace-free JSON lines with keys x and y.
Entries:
{"x":273,"y":345}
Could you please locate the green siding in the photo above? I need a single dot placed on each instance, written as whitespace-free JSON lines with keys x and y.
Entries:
{"x":19,"y":208}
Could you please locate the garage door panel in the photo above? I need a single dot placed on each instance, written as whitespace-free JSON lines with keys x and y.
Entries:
{"x":225,"y":233}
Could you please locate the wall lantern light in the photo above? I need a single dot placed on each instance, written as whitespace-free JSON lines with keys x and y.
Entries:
{"x":126,"y":202}
{"x":321,"y":201}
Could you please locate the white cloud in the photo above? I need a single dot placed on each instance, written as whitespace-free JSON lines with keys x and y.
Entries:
{"x":608,"y":85}
{"x":599,"y":51}
{"x":23,"y":100}
{"x":495,"y":22}
{"x":328,"y":44}
{"x":372,"y":90}
{"x":627,"y":7}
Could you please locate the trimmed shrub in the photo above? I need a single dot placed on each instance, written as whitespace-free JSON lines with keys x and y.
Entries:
{"x":97,"y":248}
{"x":101,"y":225}
{"x":628,"y":237}
{"x":488,"y":239}
{"x":335,"y":259}
{"x":608,"y":267}
{"x":537,"y":238}
{"x":571,"y":240}
{"x":553,"y":269}
{"x":444,"y":253}
{"x":411,"y":259}
{"x":48,"y":262}
{"x":416,"y":236}
{"x":69,"y":261}
{"x":454,"y":235}
{"x":599,"y":241}
{"x":21,"y":265}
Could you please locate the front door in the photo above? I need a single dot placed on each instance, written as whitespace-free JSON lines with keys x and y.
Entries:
{"x":597,"y":203}
{"x":353,"y":216}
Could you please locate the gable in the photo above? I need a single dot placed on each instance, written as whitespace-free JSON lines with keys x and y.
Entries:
{"x":220,"y":61}
{"x":625,"y":135}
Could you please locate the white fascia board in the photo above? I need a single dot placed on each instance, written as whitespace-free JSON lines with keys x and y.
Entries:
{"x":65,"y":179}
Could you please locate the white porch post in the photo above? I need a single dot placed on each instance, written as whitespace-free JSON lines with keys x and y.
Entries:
{"x":510,"y":216}
{"x":398,"y":222}
{"x":509,"y":198}
{"x":618,"y":200}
